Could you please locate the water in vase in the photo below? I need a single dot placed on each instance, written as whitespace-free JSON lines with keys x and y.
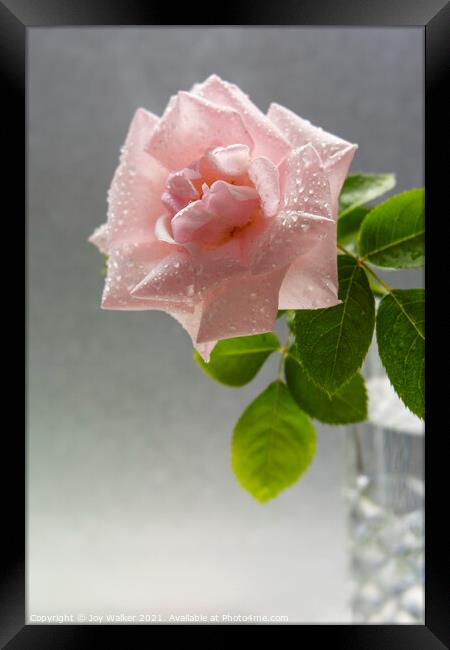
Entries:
{"x":385,"y":493}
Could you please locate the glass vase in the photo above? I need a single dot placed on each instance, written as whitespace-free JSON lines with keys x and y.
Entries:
{"x":385,"y":499}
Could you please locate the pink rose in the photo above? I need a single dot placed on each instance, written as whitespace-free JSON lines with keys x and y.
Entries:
{"x":221,"y":215}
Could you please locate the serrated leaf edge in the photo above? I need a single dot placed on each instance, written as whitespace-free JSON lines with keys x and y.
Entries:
{"x":329,"y":395}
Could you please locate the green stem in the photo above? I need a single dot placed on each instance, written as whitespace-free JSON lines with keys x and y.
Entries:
{"x":362,"y":263}
{"x":377,"y":278}
{"x":284,"y":352}
{"x":345,"y":250}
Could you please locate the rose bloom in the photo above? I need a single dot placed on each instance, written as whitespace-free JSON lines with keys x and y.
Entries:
{"x":220,"y":215}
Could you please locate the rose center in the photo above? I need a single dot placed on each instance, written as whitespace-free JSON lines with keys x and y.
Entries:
{"x":212,"y":199}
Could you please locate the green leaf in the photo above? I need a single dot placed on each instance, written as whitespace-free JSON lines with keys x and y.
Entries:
{"x":332,"y":343}
{"x":393,"y":234}
{"x":359,"y":189}
{"x":347,"y":405}
{"x":105,"y":265}
{"x":281,"y":313}
{"x":273,"y":443}
{"x":401,"y":344}
{"x":290,"y":318}
{"x":235,"y":362}
{"x":348,"y":224}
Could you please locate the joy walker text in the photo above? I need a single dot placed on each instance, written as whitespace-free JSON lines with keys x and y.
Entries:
{"x":99,"y":619}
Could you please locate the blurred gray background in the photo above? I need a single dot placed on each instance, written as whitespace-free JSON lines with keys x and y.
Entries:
{"x":132,"y":505}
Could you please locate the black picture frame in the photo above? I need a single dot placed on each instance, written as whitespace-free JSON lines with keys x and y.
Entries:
{"x":19,"y":16}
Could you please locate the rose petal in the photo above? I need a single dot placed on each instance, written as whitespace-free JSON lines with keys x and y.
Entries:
{"x":243,"y":306}
{"x":172,"y":203}
{"x":336,"y":154}
{"x":304,"y":183}
{"x":337,"y":172}
{"x":287,"y":235}
{"x":128,"y":264}
{"x":190,"y":322}
{"x":268,"y":139}
{"x":222,"y":208}
{"x":163,"y":229}
{"x":230,"y":161}
{"x":264,"y":175}
{"x":233,"y":203}
{"x":188,"y":221}
{"x":172,"y":279}
{"x":195,"y":275}
{"x":311,"y":281}
{"x":213,"y":265}
{"x":100,"y":238}
{"x":180,"y":183}
{"x":135,"y":194}
{"x":304,"y":219}
{"x":192,"y":125}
